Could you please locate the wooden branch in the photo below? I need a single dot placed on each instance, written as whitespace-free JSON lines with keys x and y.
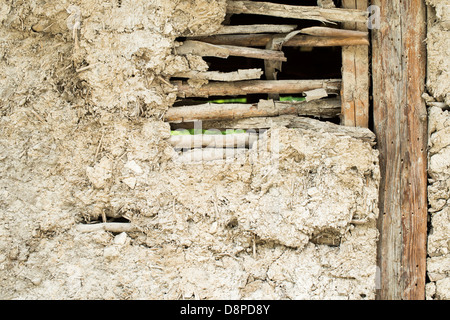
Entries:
{"x":107,"y":226}
{"x":239,"y":75}
{"x":254,"y":28}
{"x":326,"y":108}
{"x":261,"y":40}
{"x":236,"y":140}
{"x":255,"y":87}
{"x":210,"y":154}
{"x":333,"y":32}
{"x":296,"y":12}
{"x":355,"y":75}
{"x":224,"y":51}
{"x":292,"y":121}
{"x":400,"y":118}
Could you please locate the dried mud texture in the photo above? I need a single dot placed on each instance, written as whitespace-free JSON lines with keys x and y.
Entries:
{"x":294,"y":218}
{"x":438,"y":47}
{"x":438,"y":83}
{"x":438,"y":264}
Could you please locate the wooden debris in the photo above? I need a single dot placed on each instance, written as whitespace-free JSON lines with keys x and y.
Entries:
{"x":333,"y":32}
{"x":296,"y":12}
{"x":292,"y":121}
{"x":224,"y":51}
{"x":107,"y":226}
{"x":326,"y":108}
{"x":261,"y":40}
{"x":236,"y":140}
{"x":255,"y":28}
{"x":255,"y":87}
{"x":239,"y":75}
{"x":355,"y":76}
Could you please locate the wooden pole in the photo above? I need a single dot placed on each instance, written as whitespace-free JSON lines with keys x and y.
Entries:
{"x":355,"y":75}
{"x":325,"y":108}
{"x":261,"y":40}
{"x":399,"y":65}
{"x":255,"y":28}
{"x":296,"y":12}
{"x":205,"y":49}
{"x":333,"y":32}
{"x":255,"y":87}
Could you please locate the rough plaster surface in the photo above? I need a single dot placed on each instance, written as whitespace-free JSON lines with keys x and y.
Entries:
{"x":292,"y":222}
{"x":438,"y":264}
{"x":438,"y":44}
{"x":438,"y":47}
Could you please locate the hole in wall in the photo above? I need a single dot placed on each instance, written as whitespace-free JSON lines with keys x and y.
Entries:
{"x":302,"y":63}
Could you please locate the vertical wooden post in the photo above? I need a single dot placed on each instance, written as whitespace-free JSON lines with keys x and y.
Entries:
{"x":355,"y":75}
{"x":399,"y":65}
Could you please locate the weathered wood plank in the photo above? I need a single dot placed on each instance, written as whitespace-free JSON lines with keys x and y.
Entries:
{"x":355,"y":76}
{"x":296,"y":12}
{"x":254,"y":28}
{"x":326,"y":108}
{"x":261,"y":40}
{"x":255,"y":87}
{"x":224,"y":51}
{"x":399,"y":64}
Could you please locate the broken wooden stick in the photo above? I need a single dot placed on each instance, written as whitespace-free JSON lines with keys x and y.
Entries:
{"x":296,"y":12}
{"x":224,"y":51}
{"x":255,"y":87}
{"x":261,"y":40}
{"x":333,"y":32}
{"x":254,"y":28}
{"x":236,"y":140}
{"x":107,"y":226}
{"x":326,"y":108}
{"x":239,"y":75}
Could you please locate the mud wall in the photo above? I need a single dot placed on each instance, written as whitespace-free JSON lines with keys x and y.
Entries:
{"x":438,"y":84}
{"x":81,"y":138}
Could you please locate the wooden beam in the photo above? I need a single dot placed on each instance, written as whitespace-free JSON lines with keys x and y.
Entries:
{"x":254,"y":28}
{"x":261,"y":40}
{"x":296,"y":12}
{"x":224,"y":51}
{"x":255,"y":87}
{"x":326,"y":108}
{"x":400,"y":115}
{"x":239,"y":75}
{"x":355,"y":76}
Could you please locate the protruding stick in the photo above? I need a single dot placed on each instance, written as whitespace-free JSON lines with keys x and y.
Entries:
{"x":224,"y":51}
{"x":256,"y":87}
